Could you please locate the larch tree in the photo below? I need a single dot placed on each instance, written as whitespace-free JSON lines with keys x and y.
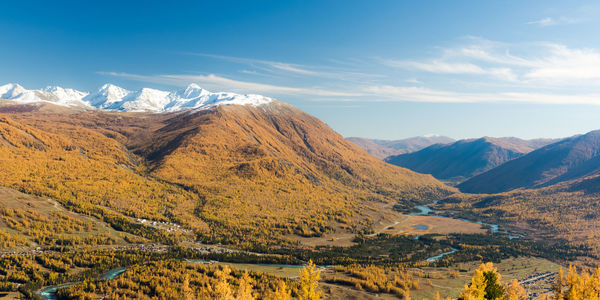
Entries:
{"x":281,"y":292}
{"x":222,"y":288}
{"x":309,"y":283}
{"x":515,"y":291}
{"x":244,"y":291}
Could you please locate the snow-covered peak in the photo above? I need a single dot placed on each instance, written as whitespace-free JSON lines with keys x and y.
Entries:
{"x":145,"y":99}
{"x":108,"y":89}
{"x":192,"y":91}
{"x":112,"y":97}
{"x":106,"y":95}
{"x":11,"y":90}
{"x":64,"y":94}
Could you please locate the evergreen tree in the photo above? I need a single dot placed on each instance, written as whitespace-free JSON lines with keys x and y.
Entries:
{"x":493,"y":289}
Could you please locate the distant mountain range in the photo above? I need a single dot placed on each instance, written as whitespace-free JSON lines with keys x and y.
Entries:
{"x":465,"y":158}
{"x":111,"y":97}
{"x":571,"y":158}
{"x":385,"y":148}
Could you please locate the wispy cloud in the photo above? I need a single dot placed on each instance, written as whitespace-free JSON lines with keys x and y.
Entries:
{"x":474,"y":71}
{"x":437,"y":66}
{"x":540,"y":63}
{"x":443,"y":67}
{"x":216,"y":82}
{"x":564,"y":64}
{"x":543,"y":22}
{"x":364,"y":93}
{"x":549,"y":21}
{"x":271,"y":65}
{"x":413,"y":81}
{"x":346,"y":72}
{"x":421,"y":94}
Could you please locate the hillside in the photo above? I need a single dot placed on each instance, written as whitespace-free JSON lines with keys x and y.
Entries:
{"x":232,"y":174}
{"x":566,"y":210}
{"x":465,"y":158}
{"x":272,"y":163}
{"x":27,"y":221}
{"x":571,"y":158}
{"x":385,"y":148}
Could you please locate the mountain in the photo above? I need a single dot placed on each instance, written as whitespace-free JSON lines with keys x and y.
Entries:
{"x":465,"y":158}
{"x":236,"y":174}
{"x":567,"y":210}
{"x":111,"y":97}
{"x":568,"y":159}
{"x":53,"y":94}
{"x":385,"y":148}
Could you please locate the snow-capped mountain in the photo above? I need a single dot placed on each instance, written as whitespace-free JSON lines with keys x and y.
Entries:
{"x":111,"y":97}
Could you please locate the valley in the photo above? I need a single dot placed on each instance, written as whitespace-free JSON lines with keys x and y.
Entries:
{"x":299,"y":150}
{"x":264,"y":188}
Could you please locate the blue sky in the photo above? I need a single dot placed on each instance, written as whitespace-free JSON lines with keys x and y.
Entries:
{"x":380,"y":69}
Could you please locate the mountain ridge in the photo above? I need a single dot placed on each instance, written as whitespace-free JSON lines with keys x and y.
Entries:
{"x":384,"y":148}
{"x":568,"y":159}
{"x":464,"y":158}
{"x":113,"y":98}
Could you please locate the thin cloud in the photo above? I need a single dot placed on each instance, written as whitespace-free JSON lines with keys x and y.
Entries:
{"x":439,"y":66}
{"x":347,"y":73}
{"x":548,"y":21}
{"x":216,"y":82}
{"x":478,"y":71}
{"x":543,"y":22}
{"x":287,"y":67}
{"x":368,"y":93}
{"x":421,"y":94}
{"x":414,"y":80}
{"x":545,"y":64}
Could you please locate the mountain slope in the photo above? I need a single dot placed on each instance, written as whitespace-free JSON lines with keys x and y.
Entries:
{"x":567,"y":210}
{"x":234,"y":174}
{"x":274,"y":162}
{"x":465,"y":158}
{"x":568,"y":159}
{"x":385,"y":148}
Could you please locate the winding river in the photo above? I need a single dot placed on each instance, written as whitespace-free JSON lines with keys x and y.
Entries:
{"x":49,"y":292}
{"x":439,"y":256}
{"x":425,"y":210}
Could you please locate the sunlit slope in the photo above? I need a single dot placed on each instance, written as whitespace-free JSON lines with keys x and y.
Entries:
{"x":275,"y":165}
{"x":27,"y":221}
{"x":84,"y":170}
{"x":230,"y":173}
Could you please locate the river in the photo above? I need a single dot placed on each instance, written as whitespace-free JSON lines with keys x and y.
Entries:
{"x":49,"y":292}
{"x":439,"y":256}
{"x":425,"y":210}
